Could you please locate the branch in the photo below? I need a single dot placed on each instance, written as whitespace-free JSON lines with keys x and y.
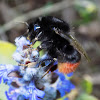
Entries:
{"x":36,"y":13}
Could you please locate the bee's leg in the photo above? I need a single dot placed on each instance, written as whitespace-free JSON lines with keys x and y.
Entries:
{"x":44,"y":45}
{"x":25,"y":65}
{"x":46,"y":73}
{"x":50,"y":66}
{"x":40,"y":47}
{"x":36,"y":39}
{"x":40,"y":62}
{"x":33,"y":42}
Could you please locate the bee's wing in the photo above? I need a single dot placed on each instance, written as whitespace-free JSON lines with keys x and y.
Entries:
{"x":75,"y":43}
{"x":78,"y":46}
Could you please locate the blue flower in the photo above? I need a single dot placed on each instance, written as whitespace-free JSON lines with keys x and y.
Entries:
{"x":20,"y":42}
{"x":63,"y":84}
{"x":10,"y":94}
{"x":70,"y":74}
{"x":5,"y":70}
{"x":26,"y":92}
{"x":25,"y":81}
{"x":66,"y":99}
{"x":17,"y":57}
{"x":36,"y":94}
{"x":64,"y":87}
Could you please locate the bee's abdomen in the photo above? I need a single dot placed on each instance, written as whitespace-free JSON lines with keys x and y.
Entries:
{"x":67,"y":67}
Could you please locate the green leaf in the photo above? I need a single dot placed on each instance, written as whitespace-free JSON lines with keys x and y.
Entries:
{"x":87,"y":85}
{"x":6,"y":51}
{"x":36,"y":45}
{"x":85,"y":96}
{"x":86,"y":9}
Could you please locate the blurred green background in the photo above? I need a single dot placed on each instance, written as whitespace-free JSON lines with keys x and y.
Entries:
{"x":84,"y":19}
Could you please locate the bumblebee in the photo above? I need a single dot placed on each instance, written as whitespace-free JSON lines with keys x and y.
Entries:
{"x":54,"y":35}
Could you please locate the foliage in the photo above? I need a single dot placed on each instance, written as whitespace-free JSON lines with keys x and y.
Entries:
{"x":6,"y":51}
{"x":87,"y":10}
{"x":85,"y":96}
{"x":87,"y":86}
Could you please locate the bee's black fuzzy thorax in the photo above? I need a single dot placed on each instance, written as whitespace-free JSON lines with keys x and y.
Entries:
{"x":54,"y":44}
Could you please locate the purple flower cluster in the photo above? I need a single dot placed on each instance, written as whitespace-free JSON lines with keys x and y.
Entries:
{"x":25,"y":80}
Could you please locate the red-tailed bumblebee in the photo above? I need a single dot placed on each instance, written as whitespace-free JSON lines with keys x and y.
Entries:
{"x":56,"y":39}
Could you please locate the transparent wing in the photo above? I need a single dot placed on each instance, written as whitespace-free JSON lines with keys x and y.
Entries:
{"x":78,"y":46}
{"x":75,"y":43}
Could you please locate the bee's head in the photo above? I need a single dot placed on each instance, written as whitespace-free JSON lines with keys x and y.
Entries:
{"x":33,"y":30}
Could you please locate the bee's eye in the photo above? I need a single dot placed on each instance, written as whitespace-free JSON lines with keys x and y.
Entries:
{"x":36,"y":27}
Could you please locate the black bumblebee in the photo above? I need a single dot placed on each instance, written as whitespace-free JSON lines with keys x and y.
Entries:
{"x":56,"y":39}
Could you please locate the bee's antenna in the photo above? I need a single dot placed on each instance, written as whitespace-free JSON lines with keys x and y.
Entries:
{"x":25,"y":24}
